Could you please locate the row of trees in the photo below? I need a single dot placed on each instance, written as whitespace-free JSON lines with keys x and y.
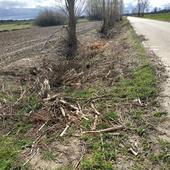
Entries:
{"x":141,"y":7}
{"x":107,"y":10}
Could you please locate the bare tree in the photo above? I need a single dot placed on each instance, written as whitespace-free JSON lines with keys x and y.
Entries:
{"x":94,"y":9}
{"x":142,"y":6}
{"x":72,"y":9}
{"x":72,"y":39}
{"x":121,"y":7}
{"x":112,"y":11}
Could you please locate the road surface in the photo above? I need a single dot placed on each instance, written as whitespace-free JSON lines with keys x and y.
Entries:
{"x":157,"y":34}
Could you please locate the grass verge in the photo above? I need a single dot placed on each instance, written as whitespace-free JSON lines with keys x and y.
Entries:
{"x":17,"y":25}
{"x":110,"y":151}
{"x":159,"y":16}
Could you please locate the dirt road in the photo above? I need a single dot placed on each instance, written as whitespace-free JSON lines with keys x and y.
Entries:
{"x":157,"y":34}
{"x":27,"y":43}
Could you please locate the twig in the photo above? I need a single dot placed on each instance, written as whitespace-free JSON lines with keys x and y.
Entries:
{"x":42,"y":127}
{"x":51,"y":98}
{"x":105,"y":130}
{"x":95,"y":123}
{"x":36,"y":140}
{"x":108,"y":73}
{"x":22,"y":95}
{"x":81,"y":112}
{"x":64,"y":131}
{"x":77,"y":165}
{"x":133,"y":152}
{"x":31,"y":157}
{"x":68,"y":104}
{"x":63,"y":112}
{"x":95,"y":110}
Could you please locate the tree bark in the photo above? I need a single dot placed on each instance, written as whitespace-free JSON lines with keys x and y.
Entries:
{"x":104,"y":26}
{"x":72,"y":38}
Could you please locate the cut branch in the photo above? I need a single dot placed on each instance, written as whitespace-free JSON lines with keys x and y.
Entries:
{"x":105,"y":130}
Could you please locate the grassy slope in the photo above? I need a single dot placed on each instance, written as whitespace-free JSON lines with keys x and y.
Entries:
{"x":15,"y":25}
{"x":105,"y":149}
{"x":161,"y":16}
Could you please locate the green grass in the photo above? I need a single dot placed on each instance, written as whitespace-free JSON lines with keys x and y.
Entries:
{"x":31,"y":103}
{"x":10,"y":147}
{"x":11,"y":26}
{"x":163,"y":156}
{"x":103,"y":149}
{"x":161,"y":16}
{"x":47,"y":155}
{"x":103,"y":152}
{"x":141,"y":83}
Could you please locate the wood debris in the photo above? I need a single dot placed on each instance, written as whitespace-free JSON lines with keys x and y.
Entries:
{"x":95,"y":122}
{"x":64,"y":131}
{"x":105,"y":130}
{"x":95,"y":110}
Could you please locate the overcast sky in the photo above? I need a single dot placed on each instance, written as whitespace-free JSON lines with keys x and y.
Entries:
{"x":51,"y":3}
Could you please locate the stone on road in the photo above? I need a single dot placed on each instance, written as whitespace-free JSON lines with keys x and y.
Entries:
{"x":157,"y":34}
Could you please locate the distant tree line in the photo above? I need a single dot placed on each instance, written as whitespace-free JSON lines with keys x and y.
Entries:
{"x":165,"y":9}
{"x":142,"y":7}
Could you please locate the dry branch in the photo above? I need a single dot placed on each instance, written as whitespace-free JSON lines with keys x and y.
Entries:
{"x":95,"y":122}
{"x":64,"y":131}
{"x":52,"y":98}
{"x":31,"y":157}
{"x":68,"y":104}
{"x":63,"y":112}
{"x":95,"y":110}
{"x":20,"y":98}
{"x":105,"y":130}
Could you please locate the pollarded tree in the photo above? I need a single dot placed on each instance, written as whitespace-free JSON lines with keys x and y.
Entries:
{"x":112,"y":11}
{"x":72,"y":39}
{"x":94,"y":9}
{"x":72,"y":9}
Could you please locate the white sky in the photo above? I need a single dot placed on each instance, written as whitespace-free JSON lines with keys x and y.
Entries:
{"x":154,"y":3}
{"x":51,"y":3}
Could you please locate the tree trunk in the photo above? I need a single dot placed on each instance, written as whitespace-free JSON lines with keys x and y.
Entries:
{"x":104,"y":26}
{"x":72,"y":39}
